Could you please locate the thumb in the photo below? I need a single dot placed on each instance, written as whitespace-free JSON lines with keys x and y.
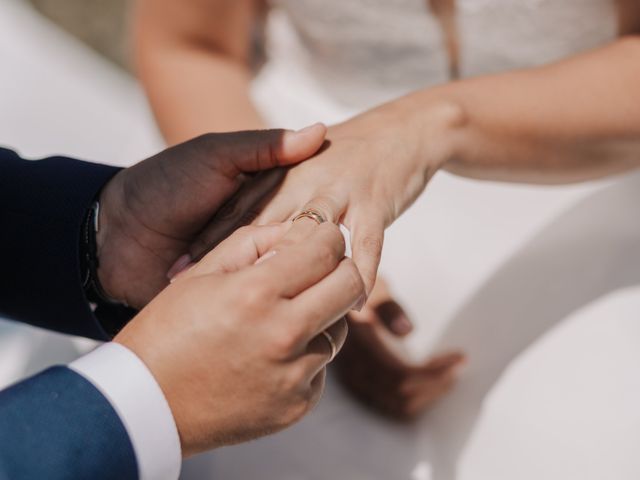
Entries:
{"x":242,"y":249}
{"x":252,"y":151}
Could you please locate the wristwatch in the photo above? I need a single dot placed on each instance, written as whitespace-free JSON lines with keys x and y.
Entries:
{"x":112,"y":314}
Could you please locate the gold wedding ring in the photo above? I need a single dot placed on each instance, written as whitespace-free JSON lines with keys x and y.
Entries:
{"x":312,"y":214}
{"x":332,"y":344}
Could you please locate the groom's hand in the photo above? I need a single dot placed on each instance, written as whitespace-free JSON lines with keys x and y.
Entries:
{"x":152,"y":212}
{"x":236,"y":343}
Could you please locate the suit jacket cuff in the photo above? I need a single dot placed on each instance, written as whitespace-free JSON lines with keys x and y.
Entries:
{"x":42,"y":207}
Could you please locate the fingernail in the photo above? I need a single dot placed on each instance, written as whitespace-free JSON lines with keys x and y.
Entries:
{"x":179,"y":265}
{"x":181,"y":272}
{"x":360,"y":303}
{"x":264,"y":257}
{"x":401,"y":325}
{"x":307,"y":129}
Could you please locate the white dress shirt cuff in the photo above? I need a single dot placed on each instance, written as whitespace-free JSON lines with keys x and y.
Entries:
{"x":137,"y":398}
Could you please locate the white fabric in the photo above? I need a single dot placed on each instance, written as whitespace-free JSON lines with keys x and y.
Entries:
{"x":360,"y":52}
{"x":141,"y":406}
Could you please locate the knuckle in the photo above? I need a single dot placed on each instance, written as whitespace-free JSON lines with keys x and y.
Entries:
{"x":334,"y":235}
{"x":371,"y":244}
{"x":207,"y":142}
{"x":326,"y":205}
{"x":245,"y":231}
{"x":353,"y":279}
{"x":326,"y":255}
{"x":285,"y":343}
{"x":294,"y":379}
{"x":258,"y":297}
{"x":296,"y":411}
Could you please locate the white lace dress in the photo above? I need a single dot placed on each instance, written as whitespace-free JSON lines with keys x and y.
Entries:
{"x":538,"y":285}
{"x":353,"y":54}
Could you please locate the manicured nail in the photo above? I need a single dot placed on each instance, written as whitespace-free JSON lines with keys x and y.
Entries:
{"x":401,"y":325}
{"x":179,"y":265}
{"x":181,"y":273}
{"x":360,"y":303}
{"x":264,"y":257}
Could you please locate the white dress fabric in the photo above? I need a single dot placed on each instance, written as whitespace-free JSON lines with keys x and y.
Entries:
{"x":539,"y":285}
{"x":359,"y":53}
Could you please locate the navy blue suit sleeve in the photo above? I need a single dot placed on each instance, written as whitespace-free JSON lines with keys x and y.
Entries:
{"x":57,"y":425}
{"x":42,"y":207}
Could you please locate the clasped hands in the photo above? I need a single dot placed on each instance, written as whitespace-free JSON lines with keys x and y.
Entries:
{"x":238,"y":342}
{"x":235,"y":341}
{"x":371,"y":169}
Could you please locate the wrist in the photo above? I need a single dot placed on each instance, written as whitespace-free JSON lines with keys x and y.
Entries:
{"x":438,"y":124}
{"x":146,"y":414}
{"x":106,"y":223}
{"x":110,"y":313}
{"x":153,"y":352}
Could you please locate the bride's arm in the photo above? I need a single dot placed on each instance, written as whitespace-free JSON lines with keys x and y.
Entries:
{"x":570,"y":121}
{"x":193,"y":58}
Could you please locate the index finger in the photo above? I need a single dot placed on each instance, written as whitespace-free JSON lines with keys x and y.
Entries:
{"x":328,"y":300}
{"x":307,"y":254}
{"x":240,"y":250}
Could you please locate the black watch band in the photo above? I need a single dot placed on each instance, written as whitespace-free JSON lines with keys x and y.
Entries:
{"x":112,"y":314}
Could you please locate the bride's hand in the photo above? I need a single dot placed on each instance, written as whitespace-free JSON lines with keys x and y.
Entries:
{"x":388,"y":384}
{"x":369,"y":172}
{"x":375,"y":368}
{"x":373,"y":167}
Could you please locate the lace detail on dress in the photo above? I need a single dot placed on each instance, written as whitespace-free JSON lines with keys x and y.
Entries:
{"x":367,"y":51}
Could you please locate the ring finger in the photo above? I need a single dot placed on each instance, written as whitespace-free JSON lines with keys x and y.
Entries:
{"x":323,"y":348}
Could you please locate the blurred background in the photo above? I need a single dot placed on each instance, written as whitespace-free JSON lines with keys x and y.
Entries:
{"x":100,"y":24}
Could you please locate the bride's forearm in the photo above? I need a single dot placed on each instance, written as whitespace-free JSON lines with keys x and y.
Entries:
{"x":193,"y":92}
{"x":574,"y":120}
{"x":193,"y":60}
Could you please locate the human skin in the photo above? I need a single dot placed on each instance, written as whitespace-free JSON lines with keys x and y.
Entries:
{"x":235,"y":343}
{"x":193,"y":58}
{"x":151,"y":212}
{"x":574,"y":120}
{"x":571,"y":121}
